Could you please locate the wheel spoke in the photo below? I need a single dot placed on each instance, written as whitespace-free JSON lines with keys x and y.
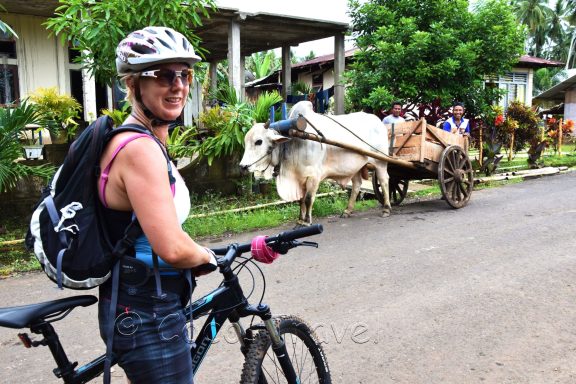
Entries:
{"x":463,"y":189}
{"x":450,"y":164}
{"x":453,"y":187}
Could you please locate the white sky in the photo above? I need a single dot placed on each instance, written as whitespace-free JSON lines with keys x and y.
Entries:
{"x":331,"y":10}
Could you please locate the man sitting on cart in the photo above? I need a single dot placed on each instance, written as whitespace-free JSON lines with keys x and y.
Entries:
{"x":457,"y":123}
{"x":394,"y":116}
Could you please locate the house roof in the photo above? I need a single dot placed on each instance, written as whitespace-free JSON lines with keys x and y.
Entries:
{"x":320,"y":60}
{"x":274,"y":78}
{"x":557,"y":92}
{"x":537,"y":62}
{"x":262,"y":31}
{"x":259,"y":31}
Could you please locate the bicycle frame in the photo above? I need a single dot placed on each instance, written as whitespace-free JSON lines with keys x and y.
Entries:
{"x":227,"y":302}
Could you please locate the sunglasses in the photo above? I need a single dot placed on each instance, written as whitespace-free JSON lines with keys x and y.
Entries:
{"x":166,"y":77}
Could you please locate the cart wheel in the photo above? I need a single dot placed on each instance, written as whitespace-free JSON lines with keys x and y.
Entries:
{"x":456,"y":176}
{"x":398,"y":189}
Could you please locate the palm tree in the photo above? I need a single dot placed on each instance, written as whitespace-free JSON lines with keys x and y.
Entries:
{"x":535,"y":14}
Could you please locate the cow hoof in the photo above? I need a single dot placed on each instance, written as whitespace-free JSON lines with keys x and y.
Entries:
{"x":301,"y":224}
{"x":346,"y":214}
{"x":385,"y":214}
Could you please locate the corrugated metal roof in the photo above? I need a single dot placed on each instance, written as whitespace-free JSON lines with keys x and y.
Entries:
{"x":558,"y":91}
{"x":537,"y":62}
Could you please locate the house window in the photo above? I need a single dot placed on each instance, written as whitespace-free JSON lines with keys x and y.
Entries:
{"x":317,"y":81}
{"x":9,"y":85}
{"x":515,"y":86}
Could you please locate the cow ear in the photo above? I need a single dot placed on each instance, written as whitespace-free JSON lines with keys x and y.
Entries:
{"x":267,"y":124}
{"x":276,"y":137}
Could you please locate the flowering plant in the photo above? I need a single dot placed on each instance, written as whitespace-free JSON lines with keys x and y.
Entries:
{"x":554,"y":130}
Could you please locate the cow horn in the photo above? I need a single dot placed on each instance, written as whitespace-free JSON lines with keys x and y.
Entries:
{"x":267,"y":124}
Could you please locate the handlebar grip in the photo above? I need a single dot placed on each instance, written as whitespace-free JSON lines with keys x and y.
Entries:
{"x":298,"y":233}
{"x":284,"y":126}
{"x":220,"y":251}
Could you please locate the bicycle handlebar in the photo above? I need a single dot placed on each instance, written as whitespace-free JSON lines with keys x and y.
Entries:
{"x":231,"y":251}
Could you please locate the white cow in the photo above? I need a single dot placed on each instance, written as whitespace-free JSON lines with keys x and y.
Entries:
{"x":300,"y":165}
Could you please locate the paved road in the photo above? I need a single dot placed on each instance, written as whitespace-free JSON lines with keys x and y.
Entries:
{"x":485,"y":294}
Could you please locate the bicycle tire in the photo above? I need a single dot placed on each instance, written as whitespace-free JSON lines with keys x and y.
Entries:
{"x":300,"y":340}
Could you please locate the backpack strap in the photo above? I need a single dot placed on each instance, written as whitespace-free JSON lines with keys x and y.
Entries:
{"x":103,"y":180}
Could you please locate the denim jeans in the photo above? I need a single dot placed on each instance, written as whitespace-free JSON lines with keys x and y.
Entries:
{"x":151,"y":341}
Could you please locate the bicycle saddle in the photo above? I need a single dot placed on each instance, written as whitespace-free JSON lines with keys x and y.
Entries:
{"x":25,"y":315}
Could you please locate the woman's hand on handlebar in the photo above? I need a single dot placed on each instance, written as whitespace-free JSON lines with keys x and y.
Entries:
{"x":207,"y":268}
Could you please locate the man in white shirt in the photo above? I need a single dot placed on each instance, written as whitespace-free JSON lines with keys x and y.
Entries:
{"x":394,"y":117}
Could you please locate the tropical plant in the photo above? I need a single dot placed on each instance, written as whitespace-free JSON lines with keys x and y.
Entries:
{"x":261,"y":108}
{"x":57,"y":111}
{"x":230,"y":125}
{"x":311,"y":55}
{"x":94,"y":28}
{"x":181,"y":142}
{"x":535,"y":151}
{"x":12,"y":122}
{"x":554,"y":131}
{"x":491,"y":121}
{"x":225,"y":126}
{"x":430,"y":55}
{"x":301,"y":88}
{"x":118,"y":116}
{"x":520,"y":127}
{"x":262,"y":64}
{"x":5,"y":28}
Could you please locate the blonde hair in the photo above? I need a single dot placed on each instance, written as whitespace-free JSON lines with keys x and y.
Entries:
{"x":130,"y":97}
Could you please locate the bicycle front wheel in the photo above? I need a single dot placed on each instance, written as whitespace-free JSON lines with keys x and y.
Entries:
{"x":306,"y":354}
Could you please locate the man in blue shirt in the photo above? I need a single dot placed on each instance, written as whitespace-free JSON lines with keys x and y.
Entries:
{"x":457,"y":123}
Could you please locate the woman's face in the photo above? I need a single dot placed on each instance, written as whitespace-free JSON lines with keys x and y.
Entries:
{"x":164,"y":98}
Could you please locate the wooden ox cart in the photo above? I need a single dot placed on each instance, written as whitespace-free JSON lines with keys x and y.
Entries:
{"x":417,"y":151}
{"x":426,"y":152}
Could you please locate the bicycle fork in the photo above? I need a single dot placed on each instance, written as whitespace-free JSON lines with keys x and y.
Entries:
{"x":278,"y":344}
{"x":279,"y":348}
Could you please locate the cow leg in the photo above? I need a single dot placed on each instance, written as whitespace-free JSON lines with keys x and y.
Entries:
{"x":302,"y":218}
{"x":356,"y":184}
{"x":312,"y":185}
{"x":382,"y":175}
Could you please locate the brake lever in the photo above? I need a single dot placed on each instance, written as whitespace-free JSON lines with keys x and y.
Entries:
{"x":283,"y":247}
{"x":309,"y":244}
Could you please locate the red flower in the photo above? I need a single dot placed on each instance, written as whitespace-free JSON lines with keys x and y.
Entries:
{"x":499,"y":120}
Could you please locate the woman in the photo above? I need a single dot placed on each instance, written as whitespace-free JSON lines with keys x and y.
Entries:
{"x":149,"y":342}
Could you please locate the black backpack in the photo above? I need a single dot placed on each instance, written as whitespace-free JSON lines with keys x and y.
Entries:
{"x":66,"y":231}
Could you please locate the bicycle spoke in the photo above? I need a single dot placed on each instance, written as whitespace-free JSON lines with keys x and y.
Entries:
{"x":275,"y":364}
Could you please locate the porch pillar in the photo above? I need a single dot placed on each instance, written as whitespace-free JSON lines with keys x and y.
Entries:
{"x":339,"y":61}
{"x":234,"y":65}
{"x":286,"y":72}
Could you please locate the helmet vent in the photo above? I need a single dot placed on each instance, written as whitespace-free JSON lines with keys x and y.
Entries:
{"x":164,"y":43}
{"x":142,"y":49}
{"x":170,"y":34}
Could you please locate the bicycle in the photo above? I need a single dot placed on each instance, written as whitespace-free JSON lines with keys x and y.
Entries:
{"x":281,"y":349}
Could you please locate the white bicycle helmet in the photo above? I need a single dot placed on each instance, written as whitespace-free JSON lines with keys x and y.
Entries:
{"x":153,"y":45}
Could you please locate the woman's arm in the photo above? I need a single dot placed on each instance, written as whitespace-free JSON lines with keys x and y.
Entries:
{"x":142,"y":178}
